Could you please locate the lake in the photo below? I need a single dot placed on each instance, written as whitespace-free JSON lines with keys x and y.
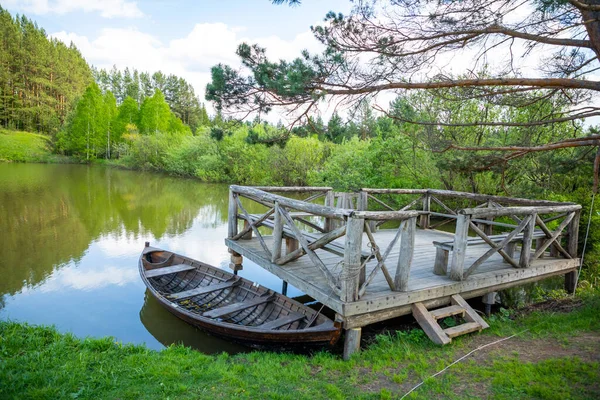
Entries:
{"x":72,"y":235}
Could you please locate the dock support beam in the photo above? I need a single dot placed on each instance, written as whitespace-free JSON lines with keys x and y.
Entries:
{"x":572,"y":243}
{"x":351,"y":342}
{"x":236,"y":262}
{"x":489,"y":299}
{"x":425,"y":217}
{"x":284,"y":286}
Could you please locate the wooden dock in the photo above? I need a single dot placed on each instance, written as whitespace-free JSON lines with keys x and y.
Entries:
{"x":335,"y":253}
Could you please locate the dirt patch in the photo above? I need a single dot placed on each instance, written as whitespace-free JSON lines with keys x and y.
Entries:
{"x":585,"y":346}
{"x":560,"y":305}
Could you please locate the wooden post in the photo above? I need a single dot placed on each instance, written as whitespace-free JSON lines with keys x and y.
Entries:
{"x":236,"y":262}
{"x":539,"y":242}
{"x":488,"y":229}
{"x":527,"y":242}
{"x":248,"y":235}
{"x":329,"y":202}
{"x":284,"y":286}
{"x":424,"y":222}
{"x":349,"y":277}
{"x":277,"y":234}
{"x":407,"y":244}
{"x":361,"y":203}
{"x":351,"y":342}
{"x":489,"y":299}
{"x":291,"y":245}
{"x":460,"y":247}
{"x":572,"y":247}
{"x":440,"y":266}
{"x":510,"y":249}
{"x":232,"y":226}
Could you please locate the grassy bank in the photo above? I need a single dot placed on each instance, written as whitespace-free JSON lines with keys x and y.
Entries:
{"x":554,"y":356}
{"x":27,"y":147}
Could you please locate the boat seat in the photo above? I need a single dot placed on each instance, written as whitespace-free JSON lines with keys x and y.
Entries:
{"x":186,"y":294}
{"x":235,"y":307}
{"x":279,"y":322}
{"x":173,"y":269}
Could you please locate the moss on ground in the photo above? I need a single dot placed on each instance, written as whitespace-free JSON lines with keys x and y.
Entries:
{"x":554,"y":356}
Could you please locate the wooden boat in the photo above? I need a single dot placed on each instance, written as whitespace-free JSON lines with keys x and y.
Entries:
{"x":229,"y":306}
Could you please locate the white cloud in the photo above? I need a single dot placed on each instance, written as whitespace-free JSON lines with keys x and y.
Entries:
{"x":79,"y":279}
{"x":106,"y":8}
{"x":190,"y":57}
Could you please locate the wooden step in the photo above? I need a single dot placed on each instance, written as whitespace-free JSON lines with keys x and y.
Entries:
{"x":447,"y":312}
{"x":279,"y":322}
{"x":462,"y":329}
{"x":155,"y":273}
{"x":429,"y":324}
{"x":235,"y":307}
{"x":471,"y":315}
{"x":428,"y":320}
{"x":203,"y":290}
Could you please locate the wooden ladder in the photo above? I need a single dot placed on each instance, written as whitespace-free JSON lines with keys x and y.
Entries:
{"x":428,"y":319}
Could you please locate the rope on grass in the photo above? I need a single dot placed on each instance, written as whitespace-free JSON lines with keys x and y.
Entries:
{"x":459,"y":360}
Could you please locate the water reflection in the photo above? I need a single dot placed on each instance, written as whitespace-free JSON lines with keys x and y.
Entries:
{"x":72,"y":234}
{"x":168,"y":329}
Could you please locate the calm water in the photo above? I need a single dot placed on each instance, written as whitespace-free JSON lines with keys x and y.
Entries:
{"x":71,"y":237}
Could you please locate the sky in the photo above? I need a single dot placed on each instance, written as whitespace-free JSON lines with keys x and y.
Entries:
{"x":180,"y":37}
{"x":187,"y":38}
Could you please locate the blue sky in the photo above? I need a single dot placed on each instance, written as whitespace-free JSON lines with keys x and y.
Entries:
{"x":181,"y":37}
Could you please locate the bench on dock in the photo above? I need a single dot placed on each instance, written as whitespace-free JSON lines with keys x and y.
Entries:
{"x":443,"y":249}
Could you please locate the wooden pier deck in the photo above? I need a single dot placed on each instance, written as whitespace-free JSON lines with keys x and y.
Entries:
{"x":334,"y":252}
{"x":379,"y":303}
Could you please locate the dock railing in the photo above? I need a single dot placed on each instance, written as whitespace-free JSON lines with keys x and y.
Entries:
{"x":535,"y":225}
{"x":299,"y":228}
{"x":289,"y":241}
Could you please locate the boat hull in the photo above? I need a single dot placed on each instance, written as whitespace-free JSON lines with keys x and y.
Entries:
{"x":256,"y":312}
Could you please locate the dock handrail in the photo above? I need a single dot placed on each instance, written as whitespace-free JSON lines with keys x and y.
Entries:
{"x":526,"y":221}
{"x":524,"y":218}
{"x":351,"y":282}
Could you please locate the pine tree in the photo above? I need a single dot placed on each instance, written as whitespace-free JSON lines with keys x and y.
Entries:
{"x":336,"y":132}
{"x":39,"y":77}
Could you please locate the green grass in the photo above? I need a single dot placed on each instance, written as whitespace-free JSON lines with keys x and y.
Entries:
{"x":40,"y":363}
{"x":24,"y":146}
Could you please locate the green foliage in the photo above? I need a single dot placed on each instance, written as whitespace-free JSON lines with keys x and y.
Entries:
{"x":128,"y":113}
{"x":196,"y":156}
{"x":155,"y":115}
{"x":294,"y":164}
{"x":179,"y":94}
{"x":349,"y":167}
{"x":148,"y":152}
{"x":88,"y":124}
{"x":244,"y":163}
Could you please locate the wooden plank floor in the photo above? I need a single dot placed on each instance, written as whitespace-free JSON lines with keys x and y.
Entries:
{"x":423,"y":285}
